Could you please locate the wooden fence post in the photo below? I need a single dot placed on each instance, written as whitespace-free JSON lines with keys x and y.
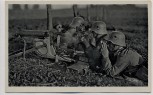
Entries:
{"x":49,"y":17}
{"x":88,"y":16}
{"x":75,"y":12}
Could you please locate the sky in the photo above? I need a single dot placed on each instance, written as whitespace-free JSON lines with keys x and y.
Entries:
{"x":65,"y":6}
{"x":53,"y":6}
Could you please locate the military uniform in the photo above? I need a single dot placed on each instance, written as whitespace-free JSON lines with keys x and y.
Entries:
{"x":123,"y":61}
{"x":94,"y":57}
{"x":70,"y":38}
{"x":93,"y":51}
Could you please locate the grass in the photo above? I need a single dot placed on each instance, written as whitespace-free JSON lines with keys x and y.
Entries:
{"x":37,"y":72}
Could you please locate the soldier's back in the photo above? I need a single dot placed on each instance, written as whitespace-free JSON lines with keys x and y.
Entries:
{"x":131,"y":56}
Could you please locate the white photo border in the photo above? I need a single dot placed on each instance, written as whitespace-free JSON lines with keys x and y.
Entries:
{"x":79,"y":89}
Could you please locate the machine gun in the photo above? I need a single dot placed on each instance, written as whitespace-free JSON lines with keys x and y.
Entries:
{"x":41,"y":45}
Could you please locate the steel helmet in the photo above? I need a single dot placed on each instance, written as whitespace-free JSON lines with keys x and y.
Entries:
{"x":117,"y":38}
{"x":76,"y":22}
{"x":99,"y":27}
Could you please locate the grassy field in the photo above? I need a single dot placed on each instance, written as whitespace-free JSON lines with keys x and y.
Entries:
{"x":37,"y":71}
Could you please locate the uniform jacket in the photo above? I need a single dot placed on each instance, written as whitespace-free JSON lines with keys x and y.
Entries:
{"x":121,"y":61}
{"x":94,"y":55}
{"x":69,"y":39}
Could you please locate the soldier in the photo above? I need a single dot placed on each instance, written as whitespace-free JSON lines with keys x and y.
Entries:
{"x":118,"y":59}
{"x":92,"y":44}
{"x":57,"y":30}
{"x":58,"y":27}
{"x":70,"y":38}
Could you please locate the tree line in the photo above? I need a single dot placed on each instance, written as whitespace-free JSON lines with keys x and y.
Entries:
{"x":26,"y":7}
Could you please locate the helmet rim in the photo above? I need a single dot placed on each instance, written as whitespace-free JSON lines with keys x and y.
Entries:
{"x":117,"y":38}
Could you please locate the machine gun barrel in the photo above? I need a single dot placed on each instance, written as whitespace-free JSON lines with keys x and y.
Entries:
{"x":33,"y":33}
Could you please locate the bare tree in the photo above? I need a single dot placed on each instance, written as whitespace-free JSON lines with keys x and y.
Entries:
{"x":88,"y":16}
{"x":96,"y":9}
{"x":26,"y":7}
{"x":49,"y":17}
{"x":104,"y":13}
{"x":92,"y":6}
{"x":75,"y":12}
{"x":35,"y":6}
{"x":16,"y":7}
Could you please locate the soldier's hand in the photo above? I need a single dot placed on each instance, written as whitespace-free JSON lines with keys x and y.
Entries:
{"x":85,"y":42}
{"x":104,"y":50}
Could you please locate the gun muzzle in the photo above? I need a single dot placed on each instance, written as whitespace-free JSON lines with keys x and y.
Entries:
{"x":33,"y":33}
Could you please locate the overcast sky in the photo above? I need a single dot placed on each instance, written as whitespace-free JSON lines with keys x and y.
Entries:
{"x":53,"y":6}
{"x":63,"y":6}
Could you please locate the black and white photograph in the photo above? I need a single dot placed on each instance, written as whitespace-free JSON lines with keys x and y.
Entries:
{"x":77,"y":45}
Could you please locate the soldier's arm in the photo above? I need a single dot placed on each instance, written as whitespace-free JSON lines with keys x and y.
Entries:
{"x":88,"y":51}
{"x":65,"y":38}
{"x":117,"y":68}
{"x":87,"y":46}
{"x":90,"y":55}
